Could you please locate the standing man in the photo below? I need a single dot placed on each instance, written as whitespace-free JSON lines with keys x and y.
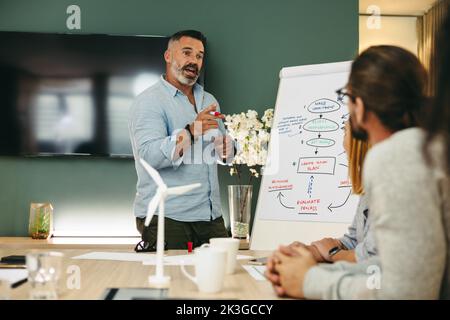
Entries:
{"x":177,"y":128}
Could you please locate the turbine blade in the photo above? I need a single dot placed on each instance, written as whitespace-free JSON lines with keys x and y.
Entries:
{"x":152,"y":205}
{"x":153,"y":173}
{"x":183,"y":189}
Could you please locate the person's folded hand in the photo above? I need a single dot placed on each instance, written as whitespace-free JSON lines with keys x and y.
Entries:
{"x":291,"y":271}
{"x":297,"y":244}
{"x":271,"y":273}
{"x":312,"y":249}
{"x":325,"y":245}
{"x":316,"y":254}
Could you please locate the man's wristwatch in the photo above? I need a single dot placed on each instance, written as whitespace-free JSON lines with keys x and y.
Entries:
{"x":334,"y":250}
{"x":188,"y":128}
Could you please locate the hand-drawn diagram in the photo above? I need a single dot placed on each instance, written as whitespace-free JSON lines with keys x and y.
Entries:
{"x":306,"y":194}
{"x":319,"y":187}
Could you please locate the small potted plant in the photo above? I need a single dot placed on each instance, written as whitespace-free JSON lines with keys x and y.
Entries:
{"x":40,"y":224}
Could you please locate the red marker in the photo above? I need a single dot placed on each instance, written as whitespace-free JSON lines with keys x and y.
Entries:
{"x":189,"y":247}
{"x":215,"y":113}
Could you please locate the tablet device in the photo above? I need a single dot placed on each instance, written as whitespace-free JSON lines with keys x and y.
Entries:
{"x":135,"y":294}
{"x":13,"y":260}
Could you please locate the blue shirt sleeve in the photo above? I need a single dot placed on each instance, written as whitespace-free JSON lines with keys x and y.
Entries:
{"x":150,"y":136}
{"x":360,"y":235}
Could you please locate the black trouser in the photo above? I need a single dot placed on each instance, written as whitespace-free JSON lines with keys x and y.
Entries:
{"x":177,"y":233}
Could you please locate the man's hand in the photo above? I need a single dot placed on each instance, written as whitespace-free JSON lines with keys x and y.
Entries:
{"x":296,"y":244}
{"x":291,"y":270}
{"x":325,"y":245}
{"x":224,"y":147}
{"x":205,"y":121}
{"x":316,"y":254}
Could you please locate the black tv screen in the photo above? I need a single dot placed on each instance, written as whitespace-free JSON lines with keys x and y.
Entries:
{"x":69,"y":94}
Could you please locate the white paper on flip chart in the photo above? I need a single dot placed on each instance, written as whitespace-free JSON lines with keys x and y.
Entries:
{"x":305,"y":191}
{"x":310,"y":181}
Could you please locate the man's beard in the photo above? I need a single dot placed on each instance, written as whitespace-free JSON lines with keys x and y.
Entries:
{"x":178,"y":73}
{"x":357,"y":132}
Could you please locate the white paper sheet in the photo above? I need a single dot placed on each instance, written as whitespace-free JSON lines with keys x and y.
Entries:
{"x":257,"y":272}
{"x":305,"y":179}
{"x":186,"y":259}
{"x":146,"y":258}
{"x":13,"y":275}
{"x":310,"y":181}
{"x":117,"y":256}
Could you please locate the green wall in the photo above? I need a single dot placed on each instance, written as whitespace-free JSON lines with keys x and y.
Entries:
{"x":249,"y":41}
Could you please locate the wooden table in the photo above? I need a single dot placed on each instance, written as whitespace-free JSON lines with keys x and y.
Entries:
{"x":97,"y":275}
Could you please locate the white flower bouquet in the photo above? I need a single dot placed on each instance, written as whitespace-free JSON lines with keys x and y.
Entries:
{"x":252,"y":136}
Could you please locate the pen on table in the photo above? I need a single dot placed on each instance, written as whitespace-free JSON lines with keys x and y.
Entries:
{"x":18,"y":283}
{"x":258,"y":261}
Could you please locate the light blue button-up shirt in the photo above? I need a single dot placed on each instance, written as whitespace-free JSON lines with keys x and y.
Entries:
{"x":156,"y":116}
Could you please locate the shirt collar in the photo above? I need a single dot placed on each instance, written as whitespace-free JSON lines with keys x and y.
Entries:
{"x":173,"y":90}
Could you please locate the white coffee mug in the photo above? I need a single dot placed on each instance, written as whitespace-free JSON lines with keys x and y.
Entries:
{"x":210,"y":264}
{"x":231,"y":246}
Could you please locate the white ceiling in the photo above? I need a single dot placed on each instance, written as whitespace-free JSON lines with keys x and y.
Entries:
{"x":398,"y":7}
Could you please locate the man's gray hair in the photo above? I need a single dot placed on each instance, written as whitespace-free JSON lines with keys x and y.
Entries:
{"x":187,"y":33}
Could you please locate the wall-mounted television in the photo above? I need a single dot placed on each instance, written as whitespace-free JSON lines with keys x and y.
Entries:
{"x":69,"y":94}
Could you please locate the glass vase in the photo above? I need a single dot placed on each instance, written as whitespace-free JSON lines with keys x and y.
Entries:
{"x":240,"y":203}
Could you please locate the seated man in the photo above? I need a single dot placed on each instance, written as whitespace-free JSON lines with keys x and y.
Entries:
{"x":386,"y":98}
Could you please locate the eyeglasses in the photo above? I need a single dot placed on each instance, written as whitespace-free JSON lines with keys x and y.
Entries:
{"x":343,"y":96}
{"x":144,"y":246}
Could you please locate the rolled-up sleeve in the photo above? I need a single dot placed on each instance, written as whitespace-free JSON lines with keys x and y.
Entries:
{"x":360,"y":235}
{"x":150,"y":136}
{"x":349,"y":240}
{"x":366,"y":248}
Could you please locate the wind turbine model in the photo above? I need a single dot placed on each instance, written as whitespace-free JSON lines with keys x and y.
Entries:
{"x":158,"y":200}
